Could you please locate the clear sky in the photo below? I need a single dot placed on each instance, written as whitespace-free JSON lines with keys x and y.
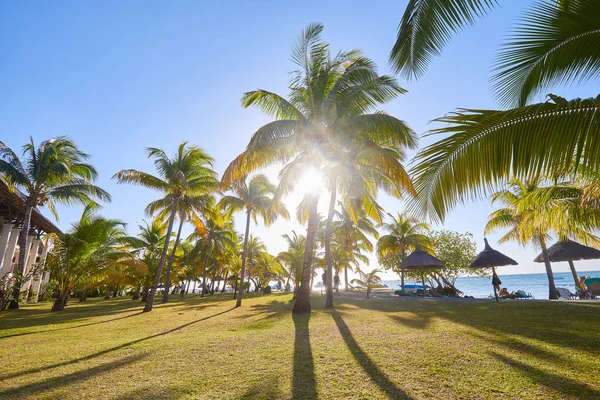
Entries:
{"x":117,"y":77}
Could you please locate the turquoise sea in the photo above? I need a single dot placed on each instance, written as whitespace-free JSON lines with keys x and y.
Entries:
{"x":536,"y":284}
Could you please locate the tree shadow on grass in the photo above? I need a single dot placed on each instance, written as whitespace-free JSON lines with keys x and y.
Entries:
{"x":304,"y":383}
{"x":376,"y":374}
{"x":68,"y":379}
{"x":567,"y":387}
{"x":106,"y":351}
{"x":72,"y":327}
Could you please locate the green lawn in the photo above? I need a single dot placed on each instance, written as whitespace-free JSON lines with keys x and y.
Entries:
{"x":365,"y":349}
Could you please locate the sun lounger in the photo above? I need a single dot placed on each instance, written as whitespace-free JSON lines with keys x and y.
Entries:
{"x":565,"y":293}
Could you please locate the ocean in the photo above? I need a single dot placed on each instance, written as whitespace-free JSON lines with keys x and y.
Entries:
{"x":536,"y":284}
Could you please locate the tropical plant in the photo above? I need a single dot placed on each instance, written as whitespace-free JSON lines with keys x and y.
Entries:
{"x":367,"y":279}
{"x":292,"y":259}
{"x":189,"y":208}
{"x":330,"y":98}
{"x":256,"y":198}
{"x":189,"y":173}
{"x":351,"y":231}
{"x":404,"y":233}
{"x":54,"y":172}
{"x":556,"y":43}
{"x":89,"y":248}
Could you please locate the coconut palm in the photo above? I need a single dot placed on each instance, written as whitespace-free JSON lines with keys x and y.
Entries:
{"x":404,"y":233}
{"x":368,"y":279}
{"x":293,"y":258}
{"x":351,"y":230}
{"x":189,"y":208}
{"x":211,"y":240}
{"x":556,"y":43}
{"x":88,"y":248}
{"x":53,"y":172}
{"x":189,"y":173}
{"x":330,"y":99}
{"x":256,"y":198}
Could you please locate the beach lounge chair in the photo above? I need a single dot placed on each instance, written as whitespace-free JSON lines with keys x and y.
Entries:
{"x":565,"y":293}
{"x":520,"y":294}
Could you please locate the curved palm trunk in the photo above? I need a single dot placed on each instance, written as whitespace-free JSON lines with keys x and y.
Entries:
{"x":302,"y":304}
{"x":22,"y":241}
{"x":578,"y":287}
{"x":552,"y":294}
{"x":163,"y":257}
{"x":204,"y":291}
{"x":243,"y":272}
{"x":212,"y":280}
{"x":61,"y":302}
{"x":170,"y":265}
{"x":328,"y":260}
{"x":225,"y":281}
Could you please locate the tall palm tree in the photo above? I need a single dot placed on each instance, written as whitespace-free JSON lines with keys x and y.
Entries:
{"x":189,"y":173}
{"x":210,"y":241}
{"x":190,"y":207}
{"x":555,"y":43}
{"x":56,"y":171}
{"x":256,"y":198}
{"x":352,"y":230}
{"x":404,"y":233}
{"x":331,"y":104}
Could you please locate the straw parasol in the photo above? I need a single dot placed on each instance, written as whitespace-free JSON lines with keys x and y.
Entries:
{"x":421,"y":260}
{"x":568,"y":250}
{"x":490,"y":258}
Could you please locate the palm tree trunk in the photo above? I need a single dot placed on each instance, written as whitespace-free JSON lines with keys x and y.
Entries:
{"x":61,"y":301}
{"x":402,"y":278}
{"x":136,"y":295}
{"x":423,"y":282}
{"x":170,"y":265}
{"x":225,"y":281}
{"x":346,"y":277}
{"x":83,"y":296}
{"x":578,"y":287}
{"x":329,"y":262}
{"x":163,"y":256}
{"x":552,"y":294}
{"x":145,"y":295}
{"x":244,"y":253}
{"x":302,"y":304}
{"x":212,"y":280}
{"x":22,"y":241}
{"x":235,"y":287}
{"x":204,"y":276}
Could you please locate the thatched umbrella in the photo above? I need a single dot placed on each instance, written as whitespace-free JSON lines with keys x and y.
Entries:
{"x":570,"y":251}
{"x":490,"y":258}
{"x":421,"y":260}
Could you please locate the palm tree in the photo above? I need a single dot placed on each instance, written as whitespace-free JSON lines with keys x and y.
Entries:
{"x":351,"y":230}
{"x":54,"y":172}
{"x":90,"y":247}
{"x":190,"y":207}
{"x":405,"y":233}
{"x":256,"y":198}
{"x":189,"y":173}
{"x":211,"y":240}
{"x":556,"y":43}
{"x":293,"y":258}
{"x":368,"y":279}
{"x":330,"y":99}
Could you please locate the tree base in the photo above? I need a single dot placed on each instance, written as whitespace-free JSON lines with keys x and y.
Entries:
{"x":165,"y":298}
{"x":302,"y":306}
{"x":13,"y":305}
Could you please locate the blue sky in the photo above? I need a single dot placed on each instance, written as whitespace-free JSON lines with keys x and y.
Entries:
{"x":117,"y":77}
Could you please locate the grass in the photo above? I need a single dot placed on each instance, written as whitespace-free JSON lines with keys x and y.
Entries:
{"x":375,"y":349}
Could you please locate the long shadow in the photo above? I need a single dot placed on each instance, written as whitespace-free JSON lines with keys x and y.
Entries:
{"x":71,"y":327}
{"x":569,"y":388}
{"x":376,"y":374}
{"x":68,"y":379}
{"x":304,"y":383}
{"x":106,"y":351}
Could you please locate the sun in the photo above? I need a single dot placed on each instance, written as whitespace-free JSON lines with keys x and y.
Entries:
{"x":311,"y":182}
